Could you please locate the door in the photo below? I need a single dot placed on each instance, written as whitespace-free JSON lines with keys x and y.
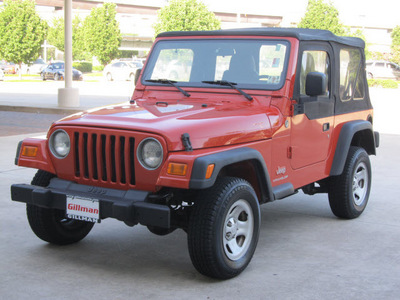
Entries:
{"x":311,"y":128}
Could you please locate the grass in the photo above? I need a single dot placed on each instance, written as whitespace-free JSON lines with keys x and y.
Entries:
{"x":23,"y":76}
{"x":91,"y":77}
{"x":22,"y":80}
{"x":94,"y":74}
{"x":384,"y":83}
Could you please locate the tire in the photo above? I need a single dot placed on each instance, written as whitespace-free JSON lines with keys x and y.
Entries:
{"x":56,"y":77}
{"x":109,"y":76}
{"x":51,"y":225}
{"x":349,"y":192}
{"x":43,"y":76}
{"x":224,"y":228}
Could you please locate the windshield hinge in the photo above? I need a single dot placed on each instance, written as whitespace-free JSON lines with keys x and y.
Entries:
{"x":186,"y":142}
{"x":297,"y":109}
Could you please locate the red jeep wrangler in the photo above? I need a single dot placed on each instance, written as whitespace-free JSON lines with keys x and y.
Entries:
{"x":250,"y":116}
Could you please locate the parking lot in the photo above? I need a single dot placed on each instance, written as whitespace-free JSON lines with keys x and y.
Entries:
{"x":304,"y":252}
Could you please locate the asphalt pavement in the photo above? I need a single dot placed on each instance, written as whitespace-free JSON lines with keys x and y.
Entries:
{"x":304,"y":252}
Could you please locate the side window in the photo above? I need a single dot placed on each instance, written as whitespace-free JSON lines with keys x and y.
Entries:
{"x":351,"y":79}
{"x":314,"y":61}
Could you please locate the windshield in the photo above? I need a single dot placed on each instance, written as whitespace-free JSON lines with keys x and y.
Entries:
{"x":253,"y":64}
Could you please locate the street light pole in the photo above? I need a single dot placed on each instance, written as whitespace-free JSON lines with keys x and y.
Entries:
{"x":68,"y":43}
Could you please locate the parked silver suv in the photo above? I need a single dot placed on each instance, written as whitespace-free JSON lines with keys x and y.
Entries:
{"x":382,"y":69}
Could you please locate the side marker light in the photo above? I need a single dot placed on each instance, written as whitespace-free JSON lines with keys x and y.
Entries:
{"x":177,"y":169}
{"x":210,"y":170}
{"x":29,"y":151}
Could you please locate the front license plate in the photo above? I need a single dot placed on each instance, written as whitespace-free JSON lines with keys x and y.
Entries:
{"x":83,"y":209}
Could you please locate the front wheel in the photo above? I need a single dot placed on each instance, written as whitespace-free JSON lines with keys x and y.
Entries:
{"x":349,"y":192}
{"x":51,"y":225}
{"x":224,"y":228}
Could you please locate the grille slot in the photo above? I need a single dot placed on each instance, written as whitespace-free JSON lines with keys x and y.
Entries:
{"x":104,"y":157}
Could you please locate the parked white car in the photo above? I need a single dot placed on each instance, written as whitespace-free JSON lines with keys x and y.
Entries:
{"x":122,"y":70}
{"x":37,"y":67}
{"x":383,"y":69}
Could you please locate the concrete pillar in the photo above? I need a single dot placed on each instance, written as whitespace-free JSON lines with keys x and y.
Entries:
{"x":68,"y":96}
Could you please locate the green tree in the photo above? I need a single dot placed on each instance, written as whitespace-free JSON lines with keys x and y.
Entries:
{"x":321,"y":15}
{"x":185,"y":15}
{"x":79,"y":47}
{"x":55,"y":37}
{"x":22,"y":32}
{"x":102,"y":34}
{"x":396,"y":36}
{"x":55,"y":34}
{"x":395,"y":57}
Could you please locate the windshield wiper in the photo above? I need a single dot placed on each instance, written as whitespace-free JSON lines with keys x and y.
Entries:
{"x":170,"y":82}
{"x":232,"y":85}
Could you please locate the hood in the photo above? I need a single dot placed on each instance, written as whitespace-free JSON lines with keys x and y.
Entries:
{"x":209,"y":124}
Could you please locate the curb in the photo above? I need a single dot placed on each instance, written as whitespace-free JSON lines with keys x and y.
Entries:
{"x":43,"y":110}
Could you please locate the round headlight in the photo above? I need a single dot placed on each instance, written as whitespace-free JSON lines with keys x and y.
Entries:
{"x":150,"y":153}
{"x":59,"y":144}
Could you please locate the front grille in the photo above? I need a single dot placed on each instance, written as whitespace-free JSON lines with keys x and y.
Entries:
{"x":104,"y":157}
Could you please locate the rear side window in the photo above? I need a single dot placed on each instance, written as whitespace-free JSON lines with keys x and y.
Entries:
{"x":351,"y":75}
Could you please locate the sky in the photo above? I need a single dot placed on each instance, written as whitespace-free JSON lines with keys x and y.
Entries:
{"x":381,"y":13}
{"x":384,"y":13}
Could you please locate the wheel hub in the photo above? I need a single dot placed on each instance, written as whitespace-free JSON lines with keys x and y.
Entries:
{"x":360,"y":184}
{"x":231,"y":229}
{"x":238,"y":230}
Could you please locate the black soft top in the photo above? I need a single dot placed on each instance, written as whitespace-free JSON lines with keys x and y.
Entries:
{"x":302,"y":34}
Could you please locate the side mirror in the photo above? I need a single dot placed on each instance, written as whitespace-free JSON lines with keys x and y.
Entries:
{"x":137,"y":74}
{"x":316,"y":84}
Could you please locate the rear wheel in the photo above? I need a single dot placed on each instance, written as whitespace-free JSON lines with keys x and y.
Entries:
{"x":224,"y":228}
{"x":51,"y":225}
{"x":349,"y":192}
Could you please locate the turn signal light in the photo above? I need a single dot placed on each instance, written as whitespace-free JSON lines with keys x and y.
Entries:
{"x":210,"y":170}
{"x":29,"y":151}
{"x":177,"y":169}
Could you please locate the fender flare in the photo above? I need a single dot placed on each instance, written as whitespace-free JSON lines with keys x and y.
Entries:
{"x":344,"y":142}
{"x":226,"y":158}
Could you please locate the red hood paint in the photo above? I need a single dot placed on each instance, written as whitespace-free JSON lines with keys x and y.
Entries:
{"x":209,"y":123}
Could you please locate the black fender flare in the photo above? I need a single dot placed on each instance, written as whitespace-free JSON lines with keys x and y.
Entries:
{"x":226,"y":158}
{"x":348,"y":131}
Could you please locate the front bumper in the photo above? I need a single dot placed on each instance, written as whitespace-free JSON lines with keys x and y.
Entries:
{"x":128,"y":206}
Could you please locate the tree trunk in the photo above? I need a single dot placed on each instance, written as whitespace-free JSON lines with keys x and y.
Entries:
{"x":20,"y":71}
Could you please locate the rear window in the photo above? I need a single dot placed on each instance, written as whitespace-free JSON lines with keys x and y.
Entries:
{"x":351,"y":75}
